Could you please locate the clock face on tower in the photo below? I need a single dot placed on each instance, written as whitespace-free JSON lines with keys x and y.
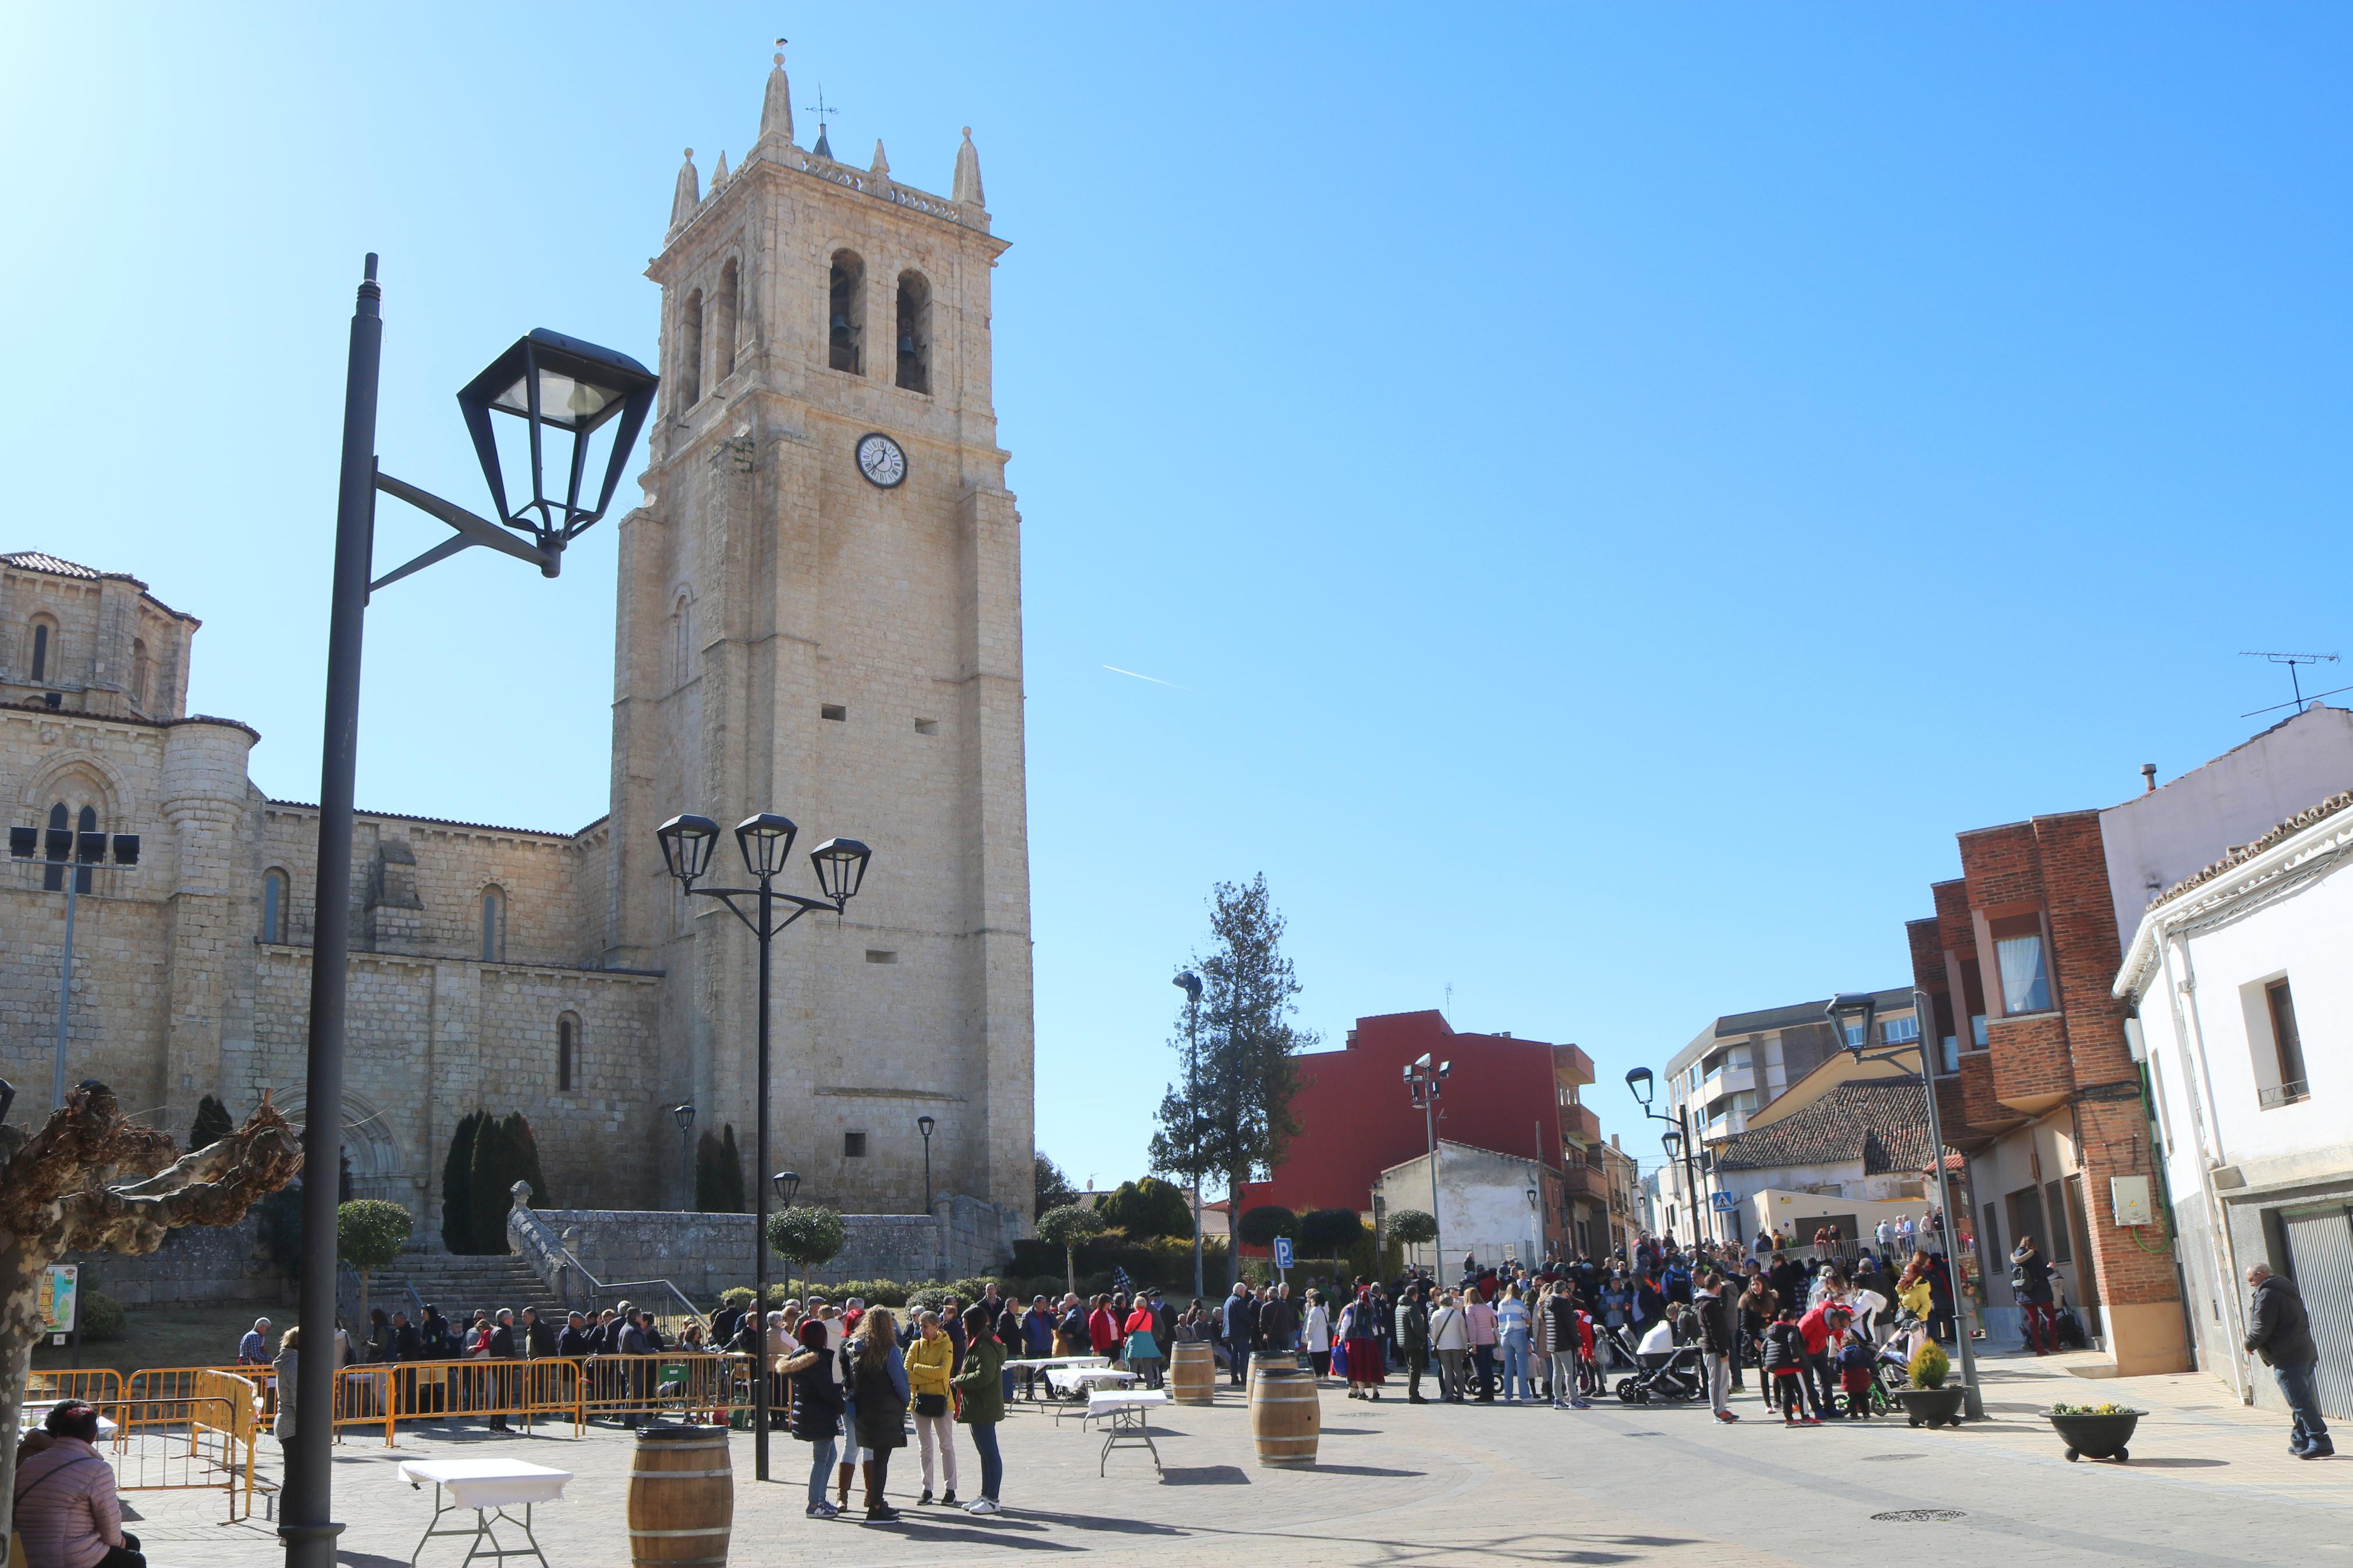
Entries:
{"x":881,"y":461}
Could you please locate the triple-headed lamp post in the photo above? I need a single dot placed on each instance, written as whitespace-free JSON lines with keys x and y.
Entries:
{"x":766,"y":842}
{"x":556,"y":385}
{"x":1677,"y":1142}
{"x":1853,"y":1012}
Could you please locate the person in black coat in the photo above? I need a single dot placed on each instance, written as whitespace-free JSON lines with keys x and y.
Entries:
{"x":817,"y":1409}
{"x":575,"y":1342}
{"x":1239,"y":1329}
{"x":2280,"y":1331}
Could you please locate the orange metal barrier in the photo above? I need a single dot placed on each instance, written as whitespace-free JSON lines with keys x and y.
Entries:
{"x":98,"y":1385}
{"x":187,"y":1443}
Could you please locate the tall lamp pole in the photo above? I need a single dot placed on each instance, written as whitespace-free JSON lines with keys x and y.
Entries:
{"x":684,"y":1114}
{"x":553,"y":383}
{"x":1677,"y":1139}
{"x":1426,"y":1080}
{"x":1190,"y":983}
{"x":924,"y":1124}
{"x":1862,"y":1007}
{"x":766,"y":842}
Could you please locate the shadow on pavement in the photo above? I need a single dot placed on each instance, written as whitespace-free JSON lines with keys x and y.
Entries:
{"x":1205,"y":1476}
{"x":1364,"y":1470}
{"x":2172,"y":1464}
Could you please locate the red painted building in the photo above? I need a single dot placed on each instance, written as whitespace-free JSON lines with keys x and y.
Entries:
{"x":1518,"y":1096}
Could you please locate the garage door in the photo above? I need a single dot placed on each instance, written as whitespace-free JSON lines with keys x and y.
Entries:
{"x":2320,"y":1258}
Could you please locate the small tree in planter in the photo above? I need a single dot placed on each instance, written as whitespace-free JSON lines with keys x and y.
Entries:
{"x":807,"y":1235}
{"x":1069,"y":1227}
{"x":1412,"y":1227}
{"x":369,"y":1235}
{"x":1929,"y":1399}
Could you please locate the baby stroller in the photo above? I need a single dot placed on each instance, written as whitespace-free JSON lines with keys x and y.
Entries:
{"x":1673,"y":1378}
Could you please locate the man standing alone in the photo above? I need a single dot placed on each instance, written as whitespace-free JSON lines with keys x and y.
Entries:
{"x":2278,"y":1330}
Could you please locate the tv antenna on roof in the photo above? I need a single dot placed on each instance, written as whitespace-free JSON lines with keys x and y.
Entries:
{"x":2296,"y":683}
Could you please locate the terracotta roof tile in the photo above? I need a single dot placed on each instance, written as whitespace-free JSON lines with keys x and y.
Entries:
{"x":2240,"y":854}
{"x":1883,"y":1122}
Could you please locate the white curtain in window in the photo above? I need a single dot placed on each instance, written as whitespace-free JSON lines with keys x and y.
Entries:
{"x":2024,"y":986}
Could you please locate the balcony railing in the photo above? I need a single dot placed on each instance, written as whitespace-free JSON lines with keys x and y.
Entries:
{"x":1727,"y":1080}
{"x":2287,"y":1093}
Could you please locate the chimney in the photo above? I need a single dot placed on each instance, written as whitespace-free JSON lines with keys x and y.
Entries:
{"x":2148,"y":778}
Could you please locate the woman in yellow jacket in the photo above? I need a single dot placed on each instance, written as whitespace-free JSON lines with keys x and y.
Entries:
{"x":929,"y":1359}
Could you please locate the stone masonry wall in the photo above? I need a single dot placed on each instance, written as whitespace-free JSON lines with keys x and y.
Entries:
{"x":704,"y":1254}
{"x":198,"y":1266}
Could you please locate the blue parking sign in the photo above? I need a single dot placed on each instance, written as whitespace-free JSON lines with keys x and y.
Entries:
{"x":1282,"y":1252}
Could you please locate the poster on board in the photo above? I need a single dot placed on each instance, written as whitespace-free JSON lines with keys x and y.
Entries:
{"x":60,"y":1297}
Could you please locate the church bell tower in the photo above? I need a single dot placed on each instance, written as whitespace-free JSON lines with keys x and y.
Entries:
{"x":820,"y":615}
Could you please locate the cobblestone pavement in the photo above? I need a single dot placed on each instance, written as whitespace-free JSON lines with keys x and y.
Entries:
{"x":2210,"y":1483}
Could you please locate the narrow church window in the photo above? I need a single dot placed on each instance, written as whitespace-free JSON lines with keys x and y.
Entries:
{"x":927,"y":726}
{"x":853,"y":1145}
{"x":882,"y":955}
{"x":494,"y":925}
{"x":59,"y":849}
{"x":138,"y":671}
{"x":914,"y":332}
{"x":689,"y":352}
{"x":846,"y":314}
{"x":726,"y":320}
{"x":41,"y":638}
{"x":87,"y":823}
{"x":273,"y":905}
{"x":681,"y":641}
{"x":833,"y":711}
{"x":566,"y":1042}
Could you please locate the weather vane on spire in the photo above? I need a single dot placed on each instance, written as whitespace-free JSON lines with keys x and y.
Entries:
{"x":821,"y":109}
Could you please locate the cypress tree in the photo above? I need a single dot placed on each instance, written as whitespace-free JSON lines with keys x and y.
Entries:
{"x":731,"y":1173}
{"x":457,"y":1185}
{"x":212,"y":1124}
{"x":709,"y":1190}
{"x":486,"y":1187}
{"x":525,"y":1144}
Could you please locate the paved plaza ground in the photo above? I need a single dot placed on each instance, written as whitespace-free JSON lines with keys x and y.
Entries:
{"x":2210,"y":1483}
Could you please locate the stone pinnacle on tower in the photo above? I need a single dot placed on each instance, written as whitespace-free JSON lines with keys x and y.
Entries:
{"x":689,"y":194}
{"x":881,"y":162}
{"x":967,"y":174}
{"x":777,"y":106}
{"x":719,"y":171}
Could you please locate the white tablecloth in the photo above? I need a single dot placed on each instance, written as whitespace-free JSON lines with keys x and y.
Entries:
{"x":487,"y":1483}
{"x":1044,"y":1363}
{"x":1104,"y":1402}
{"x":1071,"y":1379}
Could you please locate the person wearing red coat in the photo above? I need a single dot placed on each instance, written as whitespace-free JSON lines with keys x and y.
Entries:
{"x":1819,"y":1326}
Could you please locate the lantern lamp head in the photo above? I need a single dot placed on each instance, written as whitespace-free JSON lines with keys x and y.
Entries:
{"x":686,"y":841}
{"x":766,"y":841}
{"x":684,"y":1112}
{"x":840,"y":865}
{"x":925,"y":1125}
{"x":1641,"y":1081}
{"x":553,"y":383}
{"x":786,"y":1183}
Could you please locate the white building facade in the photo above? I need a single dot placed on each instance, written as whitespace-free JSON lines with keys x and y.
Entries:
{"x":2244,"y":990}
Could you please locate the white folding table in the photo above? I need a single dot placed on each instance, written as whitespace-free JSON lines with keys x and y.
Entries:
{"x":489,"y":1487}
{"x":1071,"y":1383}
{"x":1127,"y":1413}
{"x":1047,"y":1363}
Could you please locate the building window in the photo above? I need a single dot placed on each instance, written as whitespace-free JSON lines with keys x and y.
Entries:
{"x":2054,"y":1209}
{"x":138,"y":671}
{"x":837,"y":711}
{"x":681,"y":642}
{"x":689,"y":352}
{"x":274,"y":888}
{"x":853,"y":1145}
{"x":2018,"y":956}
{"x":494,"y":925}
{"x":57,"y":847}
{"x":1899,"y":1031}
{"x":2287,"y":1047}
{"x":86,"y":822}
{"x":725,"y":319}
{"x":914,"y":332}
{"x":45,"y":647}
{"x":844,"y":338}
{"x":568,"y":1048}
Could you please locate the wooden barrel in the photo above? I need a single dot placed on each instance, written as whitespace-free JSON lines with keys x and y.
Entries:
{"x":681,"y":1497}
{"x":1193,"y":1374}
{"x":1269,"y":1358}
{"x":1286,"y":1414}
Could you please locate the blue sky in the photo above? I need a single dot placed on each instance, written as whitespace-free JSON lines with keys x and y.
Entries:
{"x":1613,"y":490}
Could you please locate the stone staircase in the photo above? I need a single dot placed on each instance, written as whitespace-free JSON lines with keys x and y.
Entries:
{"x":459,"y":1285}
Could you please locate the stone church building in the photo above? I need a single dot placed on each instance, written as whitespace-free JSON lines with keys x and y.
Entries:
{"x":819,"y":615}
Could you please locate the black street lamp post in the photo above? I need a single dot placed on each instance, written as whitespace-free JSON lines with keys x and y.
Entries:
{"x":1677,"y":1140}
{"x":1190,"y":983}
{"x":1859,"y":1009}
{"x":1426,"y":1080}
{"x":684,"y":1114}
{"x":924,"y":1124}
{"x":767,"y":844}
{"x":552,"y":383}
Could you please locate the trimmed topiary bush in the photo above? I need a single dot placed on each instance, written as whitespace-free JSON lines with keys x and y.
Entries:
{"x":102,"y":1317}
{"x":1930,"y":1365}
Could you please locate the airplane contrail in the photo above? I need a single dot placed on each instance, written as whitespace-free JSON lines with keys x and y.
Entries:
{"x":1154,"y":678}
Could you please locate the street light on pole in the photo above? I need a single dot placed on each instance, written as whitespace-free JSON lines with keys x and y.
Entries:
{"x":1677,"y":1140}
{"x":1860,"y":1007}
{"x":766,"y":842}
{"x":1190,"y":983}
{"x":553,"y":383}
{"x":684,"y":1114}
{"x":1425,"y":1080}
{"x":924,"y":1124}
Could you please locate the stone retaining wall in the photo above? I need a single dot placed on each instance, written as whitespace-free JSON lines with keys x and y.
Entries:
{"x":198,"y":1266}
{"x":704,"y":1254}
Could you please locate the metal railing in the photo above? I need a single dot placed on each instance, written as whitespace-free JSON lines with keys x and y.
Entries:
{"x":2288,"y":1093}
